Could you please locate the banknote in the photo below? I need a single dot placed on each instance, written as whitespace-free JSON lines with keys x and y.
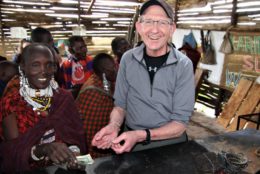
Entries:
{"x":85,"y":159}
{"x":82,"y":162}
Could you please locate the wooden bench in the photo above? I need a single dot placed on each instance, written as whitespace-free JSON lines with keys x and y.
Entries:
{"x":244,"y":100}
{"x":209,"y":94}
{"x":199,"y":73}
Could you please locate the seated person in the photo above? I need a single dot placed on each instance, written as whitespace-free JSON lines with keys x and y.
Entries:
{"x":2,"y":58}
{"x":119,"y":46}
{"x":7,"y":71}
{"x":40,"y":120}
{"x":191,"y":53}
{"x":23,"y":44}
{"x":95,"y":100}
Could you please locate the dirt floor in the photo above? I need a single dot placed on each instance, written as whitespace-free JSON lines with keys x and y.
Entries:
{"x":202,"y":126}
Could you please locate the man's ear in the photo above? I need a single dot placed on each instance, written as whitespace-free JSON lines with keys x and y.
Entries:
{"x":137,"y":26}
{"x":172,"y":30}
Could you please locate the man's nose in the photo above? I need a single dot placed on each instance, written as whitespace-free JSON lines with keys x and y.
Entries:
{"x":155,"y":25}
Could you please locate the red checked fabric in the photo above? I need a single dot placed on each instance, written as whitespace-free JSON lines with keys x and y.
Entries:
{"x":95,"y":108}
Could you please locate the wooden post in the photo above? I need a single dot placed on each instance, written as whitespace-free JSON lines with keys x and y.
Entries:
{"x":2,"y":33}
{"x":234,"y":14}
{"x":131,"y":37}
{"x":176,"y":12}
{"x":79,"y":12}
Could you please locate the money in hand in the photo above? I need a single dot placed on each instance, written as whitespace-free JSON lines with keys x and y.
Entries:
{"x":85,"y":159}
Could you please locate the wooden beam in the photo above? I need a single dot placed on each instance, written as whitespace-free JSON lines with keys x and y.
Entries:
{"x":90,"y":6}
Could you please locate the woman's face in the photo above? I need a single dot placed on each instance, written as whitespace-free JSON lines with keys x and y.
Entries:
{"x":39,"y":68}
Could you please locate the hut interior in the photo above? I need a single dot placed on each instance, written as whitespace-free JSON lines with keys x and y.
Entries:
{"x":99,"y":21}
{"x":222,"y":97}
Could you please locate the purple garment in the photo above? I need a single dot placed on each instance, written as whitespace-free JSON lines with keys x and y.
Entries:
{"x":64,"y":118}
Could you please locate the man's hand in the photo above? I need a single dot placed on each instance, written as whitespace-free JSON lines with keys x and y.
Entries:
{"x":103,"y":139}
{"x":127,"y":140}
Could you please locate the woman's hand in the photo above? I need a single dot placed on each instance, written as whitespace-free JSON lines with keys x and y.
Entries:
{"x":58,"y":153}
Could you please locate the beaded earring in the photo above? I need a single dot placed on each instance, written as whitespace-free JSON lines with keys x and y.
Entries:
{"x":106,"y":83}
{"x":53,"y":83}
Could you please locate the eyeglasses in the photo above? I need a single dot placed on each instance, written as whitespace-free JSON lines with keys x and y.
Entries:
{"x":160,"y":23}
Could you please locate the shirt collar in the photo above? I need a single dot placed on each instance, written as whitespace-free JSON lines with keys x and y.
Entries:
{"x":139,"y":53}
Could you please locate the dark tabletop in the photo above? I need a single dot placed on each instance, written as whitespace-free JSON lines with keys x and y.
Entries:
{"x":178,"y":158}
{"x":191,"y":157}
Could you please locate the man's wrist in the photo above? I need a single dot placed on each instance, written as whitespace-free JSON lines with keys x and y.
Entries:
{"x":148,"y":137}
{"x":115,"y":124}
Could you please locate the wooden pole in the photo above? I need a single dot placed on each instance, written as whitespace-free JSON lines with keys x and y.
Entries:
{"x":90,"y":6}
{"x":2,"y":33}
{"x":176,"y":12}
{"x":234,"y":14}
{"x":79,"y":10}
{"x":132,"y":32}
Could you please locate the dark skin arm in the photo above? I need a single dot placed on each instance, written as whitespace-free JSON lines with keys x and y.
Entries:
{"x":10,"y":127}
{"x":57,"y":152}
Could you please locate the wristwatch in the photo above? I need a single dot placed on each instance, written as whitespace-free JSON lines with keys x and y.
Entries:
{"x":148,"y":137}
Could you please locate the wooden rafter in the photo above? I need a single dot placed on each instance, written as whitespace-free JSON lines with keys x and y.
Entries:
{"x":90,"y":6}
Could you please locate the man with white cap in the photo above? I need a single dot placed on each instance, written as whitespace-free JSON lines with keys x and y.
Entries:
{"x":154,"y":88}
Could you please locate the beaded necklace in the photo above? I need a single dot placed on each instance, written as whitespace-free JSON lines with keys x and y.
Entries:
{"x":44,"y":101}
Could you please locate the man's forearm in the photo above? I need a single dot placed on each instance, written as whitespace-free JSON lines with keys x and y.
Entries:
{"x":170,"y":130}
{"x":117,"y":116}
